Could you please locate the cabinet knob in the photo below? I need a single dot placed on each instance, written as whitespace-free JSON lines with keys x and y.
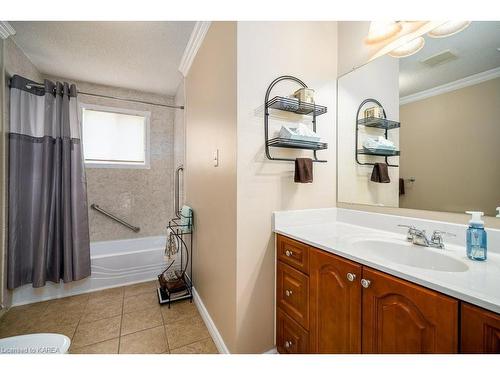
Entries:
{"x":288,"y":344}
{"x":351,"y":276}
{"x":288,"y":292}
{"x":365,"y":283}
{"x":288,"y":253}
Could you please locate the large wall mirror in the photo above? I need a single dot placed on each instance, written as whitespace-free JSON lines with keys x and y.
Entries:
{"x":428,"y":137}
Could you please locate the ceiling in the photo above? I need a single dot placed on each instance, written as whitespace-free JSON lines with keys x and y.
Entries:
{"x":476,"y":49}
{"x":142,"y":56}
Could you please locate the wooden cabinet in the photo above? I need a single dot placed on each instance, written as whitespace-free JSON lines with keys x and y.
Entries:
{"x":292,"y":295}
{"x":328,"y":304}
{"x":401,"y":317}
{"x":335,"y":304}
{"x":480,"y":330}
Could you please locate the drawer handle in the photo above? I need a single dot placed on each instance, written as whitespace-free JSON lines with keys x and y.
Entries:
{"x":288,"y":292}
{"x":365,"y":283}
{"x":289,"y":253}
{"x":351,"y":276}
{"x":288,"y":344}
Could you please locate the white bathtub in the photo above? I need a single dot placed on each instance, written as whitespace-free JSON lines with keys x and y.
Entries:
{"x":113,"y":263}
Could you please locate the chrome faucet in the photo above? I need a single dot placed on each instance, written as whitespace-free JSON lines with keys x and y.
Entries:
{"x":419,"y":237}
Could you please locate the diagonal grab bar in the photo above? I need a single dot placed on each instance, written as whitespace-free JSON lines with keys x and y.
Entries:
{"x":113,"y":217}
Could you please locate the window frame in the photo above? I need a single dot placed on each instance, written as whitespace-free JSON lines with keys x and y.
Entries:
{"x":124,"y":111}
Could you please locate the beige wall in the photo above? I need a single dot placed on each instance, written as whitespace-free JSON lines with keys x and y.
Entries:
{"x":211,"y":191}
{"x":233,"y":203}
{"x":451,"y":146}
{"x":264,"y":186}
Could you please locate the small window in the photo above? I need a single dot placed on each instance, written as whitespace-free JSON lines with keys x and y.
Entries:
{"x":114,"y":137}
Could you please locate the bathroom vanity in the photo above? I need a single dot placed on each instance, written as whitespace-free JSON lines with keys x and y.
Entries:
{"x":338,"y":291}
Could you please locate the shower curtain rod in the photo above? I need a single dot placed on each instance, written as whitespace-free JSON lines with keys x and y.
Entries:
{"x":40,"y":85}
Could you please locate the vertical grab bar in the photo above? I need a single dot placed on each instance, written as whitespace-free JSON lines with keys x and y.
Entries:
{"x":177,"y":188}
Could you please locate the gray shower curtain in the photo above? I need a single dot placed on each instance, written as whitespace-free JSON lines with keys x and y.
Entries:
{"x":48,"y":217}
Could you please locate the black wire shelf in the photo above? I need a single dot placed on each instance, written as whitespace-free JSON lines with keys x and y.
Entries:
{"x":378,"y":152}
{"x":297,"y":144}
{"x":380,"y":123}
{"x":293,"y":105}
{"x":181,"y":286}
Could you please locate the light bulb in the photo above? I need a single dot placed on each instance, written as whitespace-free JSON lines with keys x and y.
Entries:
{"x":449,"y":28}
{"x":409,"y":48}
{"x":380,"y":31}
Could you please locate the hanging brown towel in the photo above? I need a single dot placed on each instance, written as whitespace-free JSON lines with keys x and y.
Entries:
{"x":303,"y":170}
{"x":401,"y":186}
{"x":380,"y":173}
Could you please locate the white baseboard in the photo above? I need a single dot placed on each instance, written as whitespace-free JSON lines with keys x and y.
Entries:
{"x":272,"y":351}
{"x":212,"y":328}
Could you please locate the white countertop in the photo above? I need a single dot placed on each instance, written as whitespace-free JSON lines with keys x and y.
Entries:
{"x":336,"y":230}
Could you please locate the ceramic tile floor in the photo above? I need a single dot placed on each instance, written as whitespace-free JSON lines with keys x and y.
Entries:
{"x":121,"y":320}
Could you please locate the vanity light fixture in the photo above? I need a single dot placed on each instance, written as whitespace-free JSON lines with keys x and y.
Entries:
{"x":448,"y":28}
{"x":408,"y":31}
{"x":409,"y":48}
{"x":380,"y":31}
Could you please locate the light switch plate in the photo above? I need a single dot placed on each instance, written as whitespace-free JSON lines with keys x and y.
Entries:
{"x":216,"y":158}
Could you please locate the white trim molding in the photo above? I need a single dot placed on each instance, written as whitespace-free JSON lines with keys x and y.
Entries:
{"x":6,"y":30}
{"x":193,"y":45}
{"x":212,"y":328}
{"x":272,"y":351}
{"x":451,"y":86}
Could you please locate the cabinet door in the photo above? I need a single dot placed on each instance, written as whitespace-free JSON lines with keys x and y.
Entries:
{"x":292,"y":293}
{"x":335,"y":304}
{"x":480,"y":330}
{"x":401,"y":317}
{"x":291,"y":338}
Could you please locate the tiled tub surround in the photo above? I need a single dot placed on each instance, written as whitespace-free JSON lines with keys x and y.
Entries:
{"x":121,"y":320}
{"x":335,"y":230}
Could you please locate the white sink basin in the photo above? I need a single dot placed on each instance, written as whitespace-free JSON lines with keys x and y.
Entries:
{"x":403,"y":252}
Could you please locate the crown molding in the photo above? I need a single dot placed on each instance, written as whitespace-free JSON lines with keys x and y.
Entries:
{"x":6,"y":30}
{"x":194,"y":43}
{"x":452,"y":86}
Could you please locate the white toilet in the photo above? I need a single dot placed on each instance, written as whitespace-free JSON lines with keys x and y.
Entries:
{"x":38,"y":343}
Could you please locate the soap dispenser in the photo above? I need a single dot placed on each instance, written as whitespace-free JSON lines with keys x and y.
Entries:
{"x":476,"y":237}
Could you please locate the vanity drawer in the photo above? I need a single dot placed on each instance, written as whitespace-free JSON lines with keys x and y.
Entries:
{"x":293,"y":253}
{"x":291,"y":338}
{"x":293,"y":293}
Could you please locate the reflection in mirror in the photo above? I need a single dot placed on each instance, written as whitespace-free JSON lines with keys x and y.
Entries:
{"x":448,"y":104}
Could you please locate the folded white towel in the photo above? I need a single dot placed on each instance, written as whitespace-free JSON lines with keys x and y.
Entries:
{"x":379,"y":143}
{"x":301,"y":132}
